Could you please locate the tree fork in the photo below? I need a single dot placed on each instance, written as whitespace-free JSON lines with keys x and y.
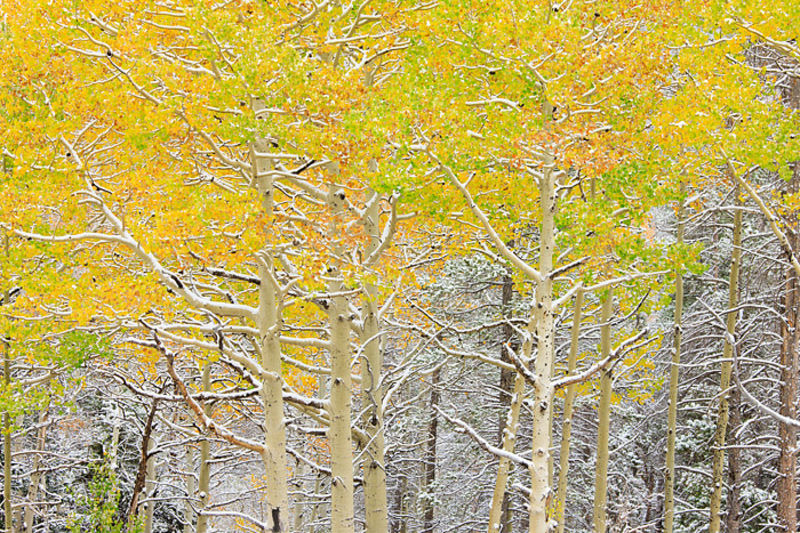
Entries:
{"x":566,"y":428}
{"x":269,"y":326}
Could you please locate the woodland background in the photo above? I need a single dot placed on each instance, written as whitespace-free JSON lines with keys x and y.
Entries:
{"x":400,"y":266}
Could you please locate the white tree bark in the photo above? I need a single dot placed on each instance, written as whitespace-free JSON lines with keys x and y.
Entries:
{"x":543,"y":364}
{"x":566,"y":428}
{"x":718,"y":461}
{"x":191,"y":490}
{"x":339,"y":433}
{"x":674,"y":374}
{"x":204,"y":476}
{"x":373,"y":465}
{"x":604,"y":418}
{"x":269,"y":324}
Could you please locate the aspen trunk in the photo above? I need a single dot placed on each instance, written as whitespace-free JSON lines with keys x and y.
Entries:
{"x":150,"y":487}
{"x":725,"y":375}
{"x":339,"y":434}
{"x":204,"y":477}
{"x":374,"y":467}
{"x":300,"y":469}
{"x":566,"y":428}
{"x":269,"y":326}
{"x":274,"y":455}
{"x":191,"y":489}
{"x":319,"y":507}
{"x":36,"y":476}
{"x":499,"y":499}
{"x":430,"y":454}
{"x":604,"y":419}
{"x":543,"y":365}
{"x":512,"y":387}
{"x":507,"y":379}
{"x":674,"y":374}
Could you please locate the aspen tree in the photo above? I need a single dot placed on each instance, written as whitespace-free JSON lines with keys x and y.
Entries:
{"x":604,"y":418}
{"x":504,"y":464}
{"x":373,"y":464}
{"x":566,"y":427}
{"x":204,"y":475}
{"x":543,"y":314}
{"x":269,"y":326}
{"x":150,"y":487}
{"x":36,"y":476}
{"x":507,"y":379}
{"x":499,"y":514}
{"x":725,"y":372}
{"x":191,"y":489}
{"x":339,"y":434}
{"x":674,"y":375}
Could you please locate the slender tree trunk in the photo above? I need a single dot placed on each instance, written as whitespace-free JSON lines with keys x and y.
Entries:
{"x":145,"y":460}
{"x":191,"y":490}
{"x":674,"y":374}
{"x":316,"y":509}
{"x":204,"y":477}
{"x":499,"y":497}
{"x":725,"y":375}
{"x":566,"y":428}
{"x":339,"y":434}
{"x":604,"y":418}
{"x":320,"y":505}
{"x":9,"y":518}
{"x":543,"y":364}
{"x":274,"y":456}
{"x":300,"y":470}
{"x":733,"y":516}
{"x":36,"y":476}
{"x":269,"y":326}
{"x":430,"y":455}
{"x":374,"y":467}
{"x":507,"y":379}
{"x":790,"y":332}
{"x":512,"y":388}
{"x":787,"y":434}
{"x":401,"y":503}
{"x":150,"y":487}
